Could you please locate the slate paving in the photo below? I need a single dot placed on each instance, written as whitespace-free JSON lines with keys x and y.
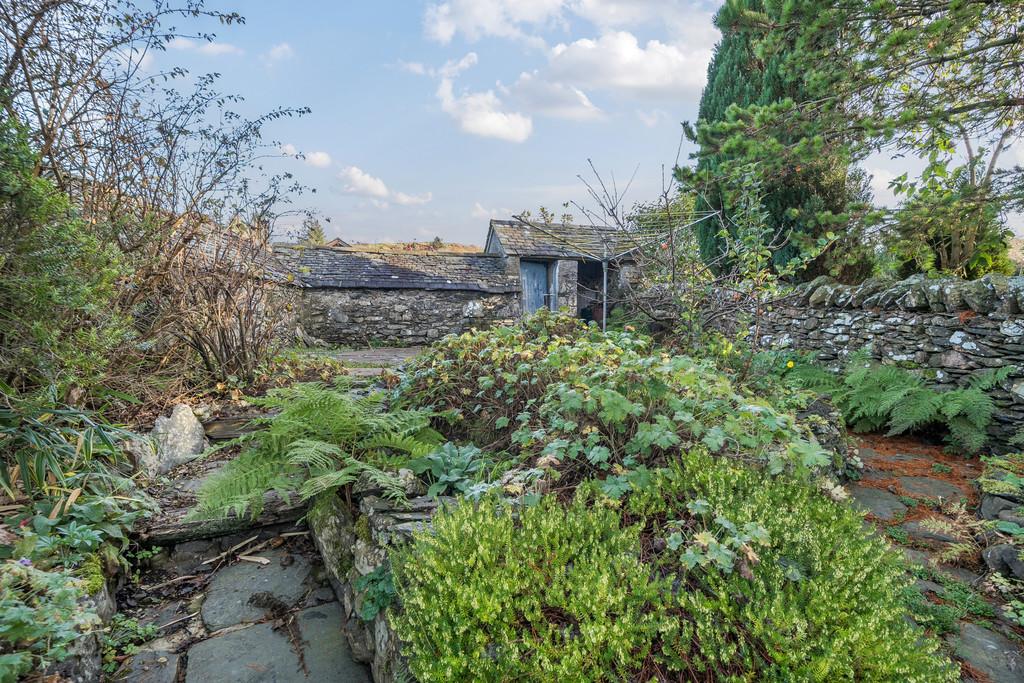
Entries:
{"x":897,"y":486}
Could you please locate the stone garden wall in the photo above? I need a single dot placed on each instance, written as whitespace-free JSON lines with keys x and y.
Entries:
{"x":948,"y":327}
{"x":399,"y":316}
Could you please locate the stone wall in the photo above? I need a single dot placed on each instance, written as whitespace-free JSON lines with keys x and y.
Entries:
{"x":399,"y":316}
{"x":567,"y":282}
{"x":949,"y":328}
{"x":353,"y":545}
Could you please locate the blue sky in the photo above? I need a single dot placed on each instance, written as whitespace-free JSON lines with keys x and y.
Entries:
{"x":430,"y":117}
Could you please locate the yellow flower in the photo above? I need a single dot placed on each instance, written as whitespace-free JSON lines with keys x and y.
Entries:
{"x":790,"y":364}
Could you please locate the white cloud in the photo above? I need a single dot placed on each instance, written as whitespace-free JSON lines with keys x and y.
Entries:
{"x":476,"y":19}
{"x":210,"y":49}
{"x":482,"y":114}
{"x":653,"y":117}
{"x":318,"y":159}
{"x":880,"y":179}
{"x":557,"y":100}
{"x":483,"y":213}
{"x":278,"y":53}
{"x":616,"y":61}
{"x":359,"y":182}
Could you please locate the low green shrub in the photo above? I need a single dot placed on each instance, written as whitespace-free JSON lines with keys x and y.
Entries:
{"x":41,"y":615}
{"x":548,"y":594}
{"x":714,"y":571}
{"x":586,"y":404}
{"x":820,"y":599}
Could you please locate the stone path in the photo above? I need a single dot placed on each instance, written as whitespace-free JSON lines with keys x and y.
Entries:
{"x":374,"y":362}
{"x":250,"y":607}
{"x":908,"y":490}
{"x":240,"y":601}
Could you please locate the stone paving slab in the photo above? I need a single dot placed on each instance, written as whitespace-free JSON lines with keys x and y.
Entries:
{"x":928,"y":487}
{"x":882,"y":504}
{"x":153,"y":666}
{"x":259,"y":654}
{"x":228,"y":598}
{"x":995,"y":656}
{"x":383,"y":356}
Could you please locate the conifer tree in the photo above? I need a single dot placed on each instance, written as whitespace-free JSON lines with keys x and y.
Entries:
{"x":802,"y":202}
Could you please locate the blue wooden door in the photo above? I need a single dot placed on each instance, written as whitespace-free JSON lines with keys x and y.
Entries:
{"x":534,"y":276}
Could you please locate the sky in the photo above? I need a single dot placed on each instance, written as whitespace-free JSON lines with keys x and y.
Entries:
{"x":429,"y":118}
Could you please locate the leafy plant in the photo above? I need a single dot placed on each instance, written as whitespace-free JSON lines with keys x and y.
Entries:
{"x":377,"y":592}
{"x":123,"y":637}
{"x":45,"y":440}
{"x":548,"y":593}
{"x":41,"y":615}
{"x":452,"y":468}
{"x":321,"y":438}
{"x":873,"y":396}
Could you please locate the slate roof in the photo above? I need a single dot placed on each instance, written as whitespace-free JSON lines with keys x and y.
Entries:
{"x":351,"y":268}
{"x":556,"y":240}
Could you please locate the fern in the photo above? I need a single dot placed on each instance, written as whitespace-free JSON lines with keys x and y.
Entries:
{"x":318,"y":439}
{"x":873,"y":397}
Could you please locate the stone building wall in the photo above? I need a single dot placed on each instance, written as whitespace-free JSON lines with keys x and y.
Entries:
{"x":567,"y":281}
{"x":400,"y":316}
{"x":948,"y":328}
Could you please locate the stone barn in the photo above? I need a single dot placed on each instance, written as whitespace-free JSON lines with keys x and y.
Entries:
{"x":560,"y":265}
{"x":350,"y":296}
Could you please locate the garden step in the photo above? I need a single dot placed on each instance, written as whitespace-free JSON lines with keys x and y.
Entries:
{"x":881,"y":504}
{"x":989,"y":653}
{"x":259,"y":653}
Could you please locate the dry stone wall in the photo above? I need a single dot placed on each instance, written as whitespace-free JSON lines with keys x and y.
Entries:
{"x":400,"y":316}
{"x":948,"y":328}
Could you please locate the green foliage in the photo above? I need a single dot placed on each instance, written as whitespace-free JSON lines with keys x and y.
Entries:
{"x":1003,"y":475}
{"x":123,"y":637}
{"x":801,"y":202}
{"x":40,"y":617}
{"x":45,"y":439}
{"x":584,"y":403}
{"x":550,"y":593}
{"x":873,"y":396}
{"x":318,"y":439}
{"x":453,"y":469}
{"x":818,"y":600}
{"x":720,"y":572}
{"x":376,"y":592}
{"x":57,"y":279}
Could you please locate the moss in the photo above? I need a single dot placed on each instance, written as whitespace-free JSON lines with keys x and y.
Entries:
{"x":362,"y":529}
{"x":90,"y":571}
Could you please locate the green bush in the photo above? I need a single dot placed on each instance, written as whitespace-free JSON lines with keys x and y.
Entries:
{"x":714,"y":571}
{"x":820,"y":600}
{"x":585,"y":404}
{"x":58,"y":324}
{"x":40,"y":617}
{"x":550,"y":594}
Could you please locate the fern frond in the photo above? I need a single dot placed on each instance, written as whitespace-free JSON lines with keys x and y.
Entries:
{"x":314,"y":454}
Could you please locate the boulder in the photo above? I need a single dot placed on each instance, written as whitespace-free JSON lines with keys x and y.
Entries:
{"x":1005,"y":559}
{"x":174,"y":441}
{"x":991,"y":506}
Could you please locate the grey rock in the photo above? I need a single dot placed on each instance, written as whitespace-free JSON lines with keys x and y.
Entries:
{"x":881,"y":504}
{"x":259,"y":654}
{"x":1005,"y":559}
{"x":918,"y":531}
{"x":178,"y":439}
{"x":926,"y":487}
{"x":228,"y":599}
{"x":821,"y":295}
{"x":989,"y":653}
{"x":153,"y":666}
{"x":991,"y":506}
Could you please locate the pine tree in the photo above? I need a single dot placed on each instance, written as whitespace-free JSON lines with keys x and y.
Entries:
{"x":801,"y":201}
{"x":313,"y":233}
